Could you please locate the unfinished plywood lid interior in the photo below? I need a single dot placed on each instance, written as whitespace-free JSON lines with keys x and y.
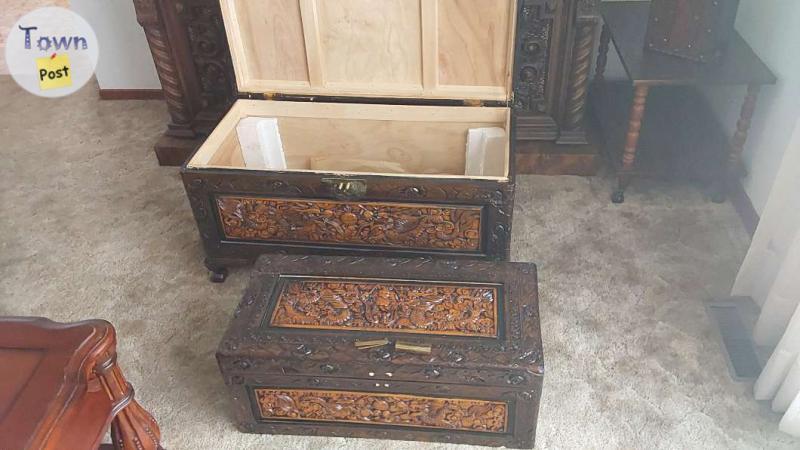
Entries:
{"x":435,"y":49}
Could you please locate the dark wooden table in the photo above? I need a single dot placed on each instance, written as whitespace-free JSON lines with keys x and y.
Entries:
{"x":61,"y":388}
{"x":625,"y":24}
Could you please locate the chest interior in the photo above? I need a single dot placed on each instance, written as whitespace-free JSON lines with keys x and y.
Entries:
{"x":362,"y":52}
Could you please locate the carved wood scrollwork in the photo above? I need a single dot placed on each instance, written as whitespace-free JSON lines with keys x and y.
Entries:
{"x":535,"y":28}
{"x":209,"y":51}
{"x":372,"y":305}
{"x":382,"y":409}
{"x":363,"y":223}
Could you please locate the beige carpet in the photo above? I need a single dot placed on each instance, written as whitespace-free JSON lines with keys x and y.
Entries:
{"x":93,"y":228}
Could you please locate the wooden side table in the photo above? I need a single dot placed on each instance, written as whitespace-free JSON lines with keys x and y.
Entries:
{"x":625,"y":24}
{"x":61,"y":388}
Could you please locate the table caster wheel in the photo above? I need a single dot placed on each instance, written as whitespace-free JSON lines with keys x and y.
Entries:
{"x":618,"y":197}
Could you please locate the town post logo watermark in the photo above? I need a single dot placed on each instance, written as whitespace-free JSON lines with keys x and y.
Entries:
{"x":51,"y":52}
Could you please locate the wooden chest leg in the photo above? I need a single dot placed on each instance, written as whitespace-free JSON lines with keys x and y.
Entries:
{"x":218,"y":271}
{"x":631,"y":142}
{"x":730,"y":176}
{"x":132,"y":427}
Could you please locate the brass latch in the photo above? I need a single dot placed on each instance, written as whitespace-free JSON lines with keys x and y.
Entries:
{"x":421,"y":349}
{"x":346,"y":189}
{"x":364,"y":345}
{"x":400,"y":346}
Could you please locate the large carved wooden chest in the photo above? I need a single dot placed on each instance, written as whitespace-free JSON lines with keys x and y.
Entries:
{"x":391,"y":85}
{"x":417,"y":349}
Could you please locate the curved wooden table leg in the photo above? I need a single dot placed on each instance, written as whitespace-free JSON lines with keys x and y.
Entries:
{"x":132,"y":427}
{"x":631,"y":142}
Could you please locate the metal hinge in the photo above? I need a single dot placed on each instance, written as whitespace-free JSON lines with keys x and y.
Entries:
{"x":346,"y":188}
{"x":258,"y":95}
{"x":488,"y":103}
{"x":474,"y":102}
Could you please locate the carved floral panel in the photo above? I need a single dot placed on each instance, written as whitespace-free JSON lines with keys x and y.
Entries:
{"x":387,"y":306}
{"x":433,"y":227}
{"x":382,"y":409}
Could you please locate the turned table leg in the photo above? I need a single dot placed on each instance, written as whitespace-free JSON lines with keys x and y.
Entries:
{"x":631,"y":142}
{"x":602,"y":56}
{"x":732,"y":169}
{"x":132,"y":427}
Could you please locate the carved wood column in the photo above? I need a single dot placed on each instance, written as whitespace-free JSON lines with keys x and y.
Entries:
{"x":192,"y":61}
{"x":577,"y":86}
{"x":602,"y":55}
{"x":152,"y":17}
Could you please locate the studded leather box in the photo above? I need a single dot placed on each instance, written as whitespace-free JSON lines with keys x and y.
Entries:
{"x":698,"y":30}
{"x":414,"y":349}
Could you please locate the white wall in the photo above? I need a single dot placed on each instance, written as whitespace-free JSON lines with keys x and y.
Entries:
{"x":125,"y":61}
{"x":771,"y":28}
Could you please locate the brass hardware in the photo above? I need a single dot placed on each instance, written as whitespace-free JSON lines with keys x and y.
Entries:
{"x":328,"y":368}
{"x":515,"y":379}
{"x":456,"y":356}
{"x":399,"y":346}
{"x":363,"y":345}
{"x":303,"y":350}
{"x":412,"y":348}
{"x":346,"y":189}
{"x":432,"y":372}
{"x":473,"y":102}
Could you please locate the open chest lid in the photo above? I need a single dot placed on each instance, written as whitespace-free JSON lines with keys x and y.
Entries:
{"x":409,"y":49}
{"x":425,"y":320}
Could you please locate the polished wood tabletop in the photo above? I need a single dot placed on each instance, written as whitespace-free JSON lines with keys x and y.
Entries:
{"x":60,"y":388}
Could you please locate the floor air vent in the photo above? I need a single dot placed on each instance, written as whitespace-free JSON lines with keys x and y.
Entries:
{"x":736,"y":339}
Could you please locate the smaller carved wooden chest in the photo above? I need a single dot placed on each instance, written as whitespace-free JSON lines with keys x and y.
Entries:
{"x":414,"y":349}
{"x":693,"y":29}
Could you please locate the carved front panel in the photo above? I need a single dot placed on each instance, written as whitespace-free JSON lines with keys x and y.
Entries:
{"x":382,"y":409}
{"x":430,"y":227}
{"x":388,"y":306}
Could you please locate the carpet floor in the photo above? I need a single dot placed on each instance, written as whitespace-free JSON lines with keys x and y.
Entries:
{"x":93,"y":228}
